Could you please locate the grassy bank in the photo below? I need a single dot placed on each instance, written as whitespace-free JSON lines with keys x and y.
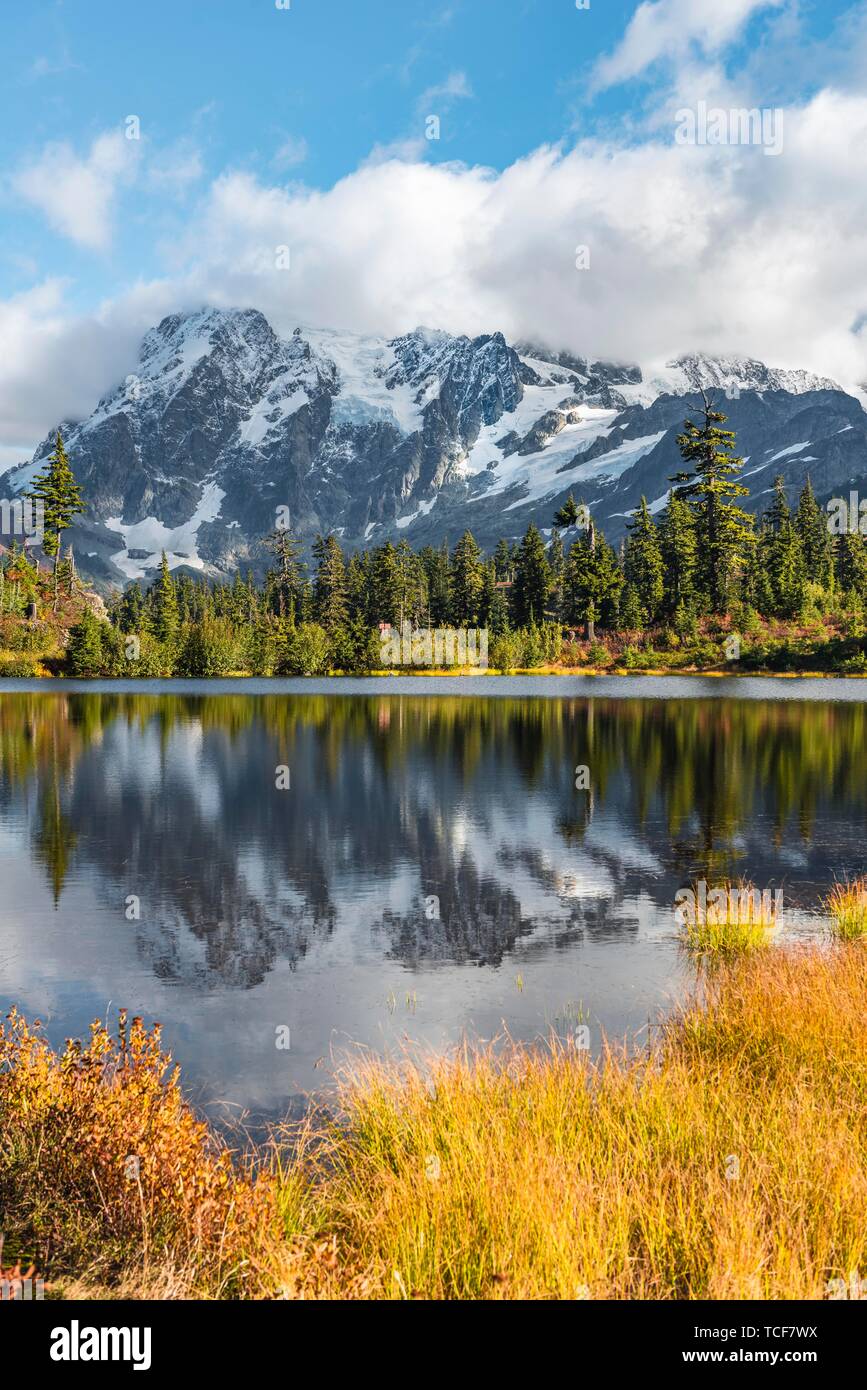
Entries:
{"x":726,"y":1162}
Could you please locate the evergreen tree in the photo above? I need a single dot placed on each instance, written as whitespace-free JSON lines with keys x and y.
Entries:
{"x":631,"y":612}
{"x":643,"y":565}
{"x":811,"y":525}
{"x":495,"y":608}
{"x":557,"y":563}
{"x":532,"y":583}
{"x":723,"y":528}
{"x":503,"y":562}
{"x":165,"y":603}
{"x":679,"y":550}
{"x":567,"y":515}
{"x":437,"y":569}
{"x":781,"y":556}
{"x":358,"y":572}
{"x":592,"y":582}
{"x":84,"y":653}
{"x":411,"y":585}
{"x":60,"y":496}
{"x":285,"y":584}
{"x":384,"y":601}
{"x":467,"y":582}
{"x":850,"y":564}
{"x":329,"y":586}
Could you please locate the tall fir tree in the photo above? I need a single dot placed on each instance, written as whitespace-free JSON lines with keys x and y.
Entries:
{"x":438,"y":573}
{"x":642,"y":563}
{"x":357,"y":580}
{"x":781,"y":558}
{"x":411,"y":585}
{"x":850,"y":565}
{"x":165,"y":603}
{"x":724,"y":531}
{"x":56,"y":490}
{"x":384,"y":586}
{"x":568,"y":515}
{"x":329,"y":585}
{"x":678,"y":547}
{"x":811,"y":524}
{"x":467,"y":582}
{"x":532,"y":583}
{"x":286,"y":583}
{"x":592,"y":582}
{"x":557,"y":564}
{"x":503,"y":562}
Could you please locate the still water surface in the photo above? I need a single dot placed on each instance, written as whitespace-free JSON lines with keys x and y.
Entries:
{"x":430,"y":872}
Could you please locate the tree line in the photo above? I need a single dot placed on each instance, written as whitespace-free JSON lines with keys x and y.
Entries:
{"x":701,"y":556}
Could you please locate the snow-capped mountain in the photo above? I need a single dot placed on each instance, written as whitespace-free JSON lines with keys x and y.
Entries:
{"x":223,"y":422}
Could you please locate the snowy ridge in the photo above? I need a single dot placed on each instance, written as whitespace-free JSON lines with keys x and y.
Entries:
{"x":723,"y":376}
{"x":416,"y":437}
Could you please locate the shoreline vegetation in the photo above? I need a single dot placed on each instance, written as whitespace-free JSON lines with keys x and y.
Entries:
{"x":81,"y":642}
{"x":704,"y":588}
{"x":724,"y":1159}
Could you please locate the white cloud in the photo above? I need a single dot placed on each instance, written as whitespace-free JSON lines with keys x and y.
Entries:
{"x":667,"y":28}
{"x":55,"y":365}
{"x":291,"y":152}
{"x":721,"y":249}
{"x":174,"y":169}
{"x":77,"y":195}
{"x":690,"y":247}
{"x":456,"y":87}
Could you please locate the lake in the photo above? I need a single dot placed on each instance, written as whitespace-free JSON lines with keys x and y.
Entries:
{"x":368,"y":862}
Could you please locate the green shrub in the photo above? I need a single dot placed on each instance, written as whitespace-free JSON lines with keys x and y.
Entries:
{"x":706,"y":653}
{"x":507,"y":652}
{"x":88,"y":647}
{"x":632,"y":657}
{"x":209,"y":649}
{"x":18,"y":665}
{"x":685,"y":623}
{"x":258,"y":649}
{"x":854,"y":665}
{"x":306,"y":653}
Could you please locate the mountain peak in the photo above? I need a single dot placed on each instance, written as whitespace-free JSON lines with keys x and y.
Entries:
{"x":417,"y":436}
{"x":700,"y":369}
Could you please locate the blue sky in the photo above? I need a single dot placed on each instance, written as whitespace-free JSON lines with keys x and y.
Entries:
{"x":232,"y":83}
{"x":261,"y":126}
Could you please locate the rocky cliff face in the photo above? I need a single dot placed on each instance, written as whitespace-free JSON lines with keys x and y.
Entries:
{"x":418,"y":437}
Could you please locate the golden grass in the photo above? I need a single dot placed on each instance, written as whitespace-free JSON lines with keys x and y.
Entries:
{"x":727,"y":1161}
{"x":847,"y":905}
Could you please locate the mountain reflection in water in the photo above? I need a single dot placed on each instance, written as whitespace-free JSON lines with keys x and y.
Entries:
{"x":431,"y":870}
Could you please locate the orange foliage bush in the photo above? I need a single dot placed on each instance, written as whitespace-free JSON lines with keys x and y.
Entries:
{"x":105,"y":1130}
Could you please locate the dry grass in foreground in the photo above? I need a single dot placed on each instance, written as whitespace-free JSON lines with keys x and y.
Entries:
{"x":728,"y":1162}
